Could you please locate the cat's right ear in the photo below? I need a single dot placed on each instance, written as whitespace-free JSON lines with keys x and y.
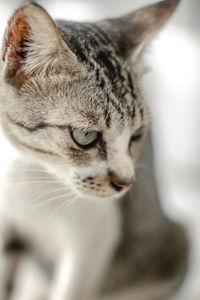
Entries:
{"x":131,"y":32}
{"x":32,"y":45}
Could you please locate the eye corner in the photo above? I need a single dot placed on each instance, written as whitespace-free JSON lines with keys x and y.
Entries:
{"x":138,"y":134}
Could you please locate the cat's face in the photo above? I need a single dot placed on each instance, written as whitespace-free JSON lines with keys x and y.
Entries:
{"x":51,"y":118}
{"x":72,"y":100}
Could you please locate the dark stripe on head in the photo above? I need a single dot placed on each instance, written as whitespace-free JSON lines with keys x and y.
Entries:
{"x":131,"y":85}
{"x":102,"y":83}
{"x":103,"y":36}
{"x":103,"y":58}
{"x":133,"y":112}
{"x":94,"y":47}
{"x":107,"y":118}
{"x":39,"y":126}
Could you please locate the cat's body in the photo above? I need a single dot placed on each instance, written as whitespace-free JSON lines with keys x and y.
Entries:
{"x":76,"y":109}
{"x":132,"y":252}
{"x":66,"y":229}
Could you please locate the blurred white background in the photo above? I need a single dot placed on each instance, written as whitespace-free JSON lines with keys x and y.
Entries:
{"x":172,"y":89}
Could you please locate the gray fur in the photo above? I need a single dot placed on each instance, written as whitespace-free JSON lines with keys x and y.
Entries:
{"x":63,"y":75}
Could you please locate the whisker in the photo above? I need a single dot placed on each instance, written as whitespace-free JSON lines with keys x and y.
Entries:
{"x":63,"y":205}
{"x":53,"y":191}
{"x":31,"y":170}
{"x":34,"y":190}
{"x":69,"y":204}
{"x":31,"y":182}
{"x":36,"y":205}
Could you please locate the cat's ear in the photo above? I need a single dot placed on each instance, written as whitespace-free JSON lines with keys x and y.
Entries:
{"x":33,"y":45}
{"x":132,"y":32}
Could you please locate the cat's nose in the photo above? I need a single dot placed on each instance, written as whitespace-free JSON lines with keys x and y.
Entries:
{"x":120,"y":184}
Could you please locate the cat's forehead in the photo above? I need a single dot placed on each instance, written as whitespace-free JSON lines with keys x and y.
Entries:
{"x":80,"y":102}
{"x":104,"y":92}
{"x":109,"y":73}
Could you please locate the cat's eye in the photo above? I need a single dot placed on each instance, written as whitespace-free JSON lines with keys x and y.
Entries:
{"x":138,"y":134}
{"x":83,"y":138}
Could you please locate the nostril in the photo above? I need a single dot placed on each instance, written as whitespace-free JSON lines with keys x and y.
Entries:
{"x":118,"y":182}
{"x":119,"y":186}
{"x":116,"y":187}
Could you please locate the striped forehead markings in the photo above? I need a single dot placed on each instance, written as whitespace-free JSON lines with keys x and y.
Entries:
{"x":85,"y":40}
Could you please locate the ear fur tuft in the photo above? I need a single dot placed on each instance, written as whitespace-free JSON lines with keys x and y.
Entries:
{"x":33,"y":45}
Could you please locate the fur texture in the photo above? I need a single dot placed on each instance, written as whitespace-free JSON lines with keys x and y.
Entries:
{"x":68,"y":206}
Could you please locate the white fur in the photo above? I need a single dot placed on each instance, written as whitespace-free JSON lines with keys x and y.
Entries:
{"x":67,"y":232}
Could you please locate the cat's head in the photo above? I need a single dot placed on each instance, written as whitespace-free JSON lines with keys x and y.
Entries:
{"x":69,"y":94}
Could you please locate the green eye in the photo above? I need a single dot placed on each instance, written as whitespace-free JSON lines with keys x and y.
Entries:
{"x":83,"y":138}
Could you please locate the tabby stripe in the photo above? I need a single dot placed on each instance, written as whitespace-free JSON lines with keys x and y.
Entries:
{"x":78,"y":50}
{"x":107,"y":117}
{"x":116,"y":61}
{"x":107,"y":42}
{"x":74,"y":43}
{"x":91,"y":52}
{"x":108,"y":63}
{"x":131,"y":85}
{"x":133,"y":112}
{"x":115,"y":105}
{"x":37,"y":127}
{"x":118,"y":69}
{"x":101,"y":58}
{"x":97,"y":75}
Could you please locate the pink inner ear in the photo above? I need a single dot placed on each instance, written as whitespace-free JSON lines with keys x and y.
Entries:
{"x":17,"y":30}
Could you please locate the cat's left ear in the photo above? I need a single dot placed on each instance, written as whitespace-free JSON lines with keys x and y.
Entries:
{"x":32,"y":45}
{"x":131,"y":32}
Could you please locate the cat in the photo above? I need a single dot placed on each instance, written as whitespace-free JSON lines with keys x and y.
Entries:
{"x":78,"y":220}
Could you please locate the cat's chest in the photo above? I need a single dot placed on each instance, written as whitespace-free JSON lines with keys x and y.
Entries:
{"x":45,"y":212}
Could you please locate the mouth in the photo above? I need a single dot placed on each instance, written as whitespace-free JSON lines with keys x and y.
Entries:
{"x":91,"y":188}
{"x":108,"y":192}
